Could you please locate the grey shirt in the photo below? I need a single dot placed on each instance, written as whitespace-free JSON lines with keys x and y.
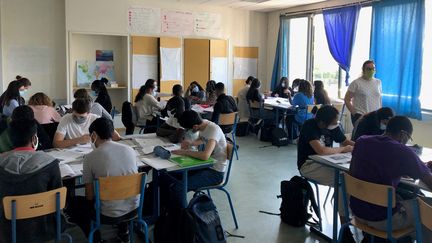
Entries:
{"x":97,"y":109}
{"x":111,"y":159}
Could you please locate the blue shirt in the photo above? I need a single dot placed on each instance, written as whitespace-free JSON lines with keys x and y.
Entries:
{"x":8,"y":109}
{"x":302,"y":101}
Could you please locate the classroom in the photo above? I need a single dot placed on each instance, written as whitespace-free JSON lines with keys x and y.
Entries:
{"x":189,"y":121}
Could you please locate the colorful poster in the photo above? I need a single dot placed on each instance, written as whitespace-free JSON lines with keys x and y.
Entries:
{"x":88,"y":71}
{"x":177,"y":22}
{"x":104,"y":55}
{"x":144,"y":20}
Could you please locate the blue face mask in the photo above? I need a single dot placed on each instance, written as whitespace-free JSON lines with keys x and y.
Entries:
{"x":93,"y":93}
{"x":195,"y":89}
{"x":22,"y":92}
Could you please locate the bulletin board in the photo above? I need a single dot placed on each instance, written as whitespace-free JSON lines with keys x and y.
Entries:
{"x":245,"y":64}
{"x":169,"y":42}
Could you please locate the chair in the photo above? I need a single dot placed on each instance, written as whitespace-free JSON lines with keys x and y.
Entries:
{"x":423,"y":216}
{"x":120,"y":188}
{"x":377,"y":194}
{"x":254,"y":108}
{"x":36,"y":205}
{"x":143,"y":127}
{"x":221,"y":186}
{"x":230,"y":119}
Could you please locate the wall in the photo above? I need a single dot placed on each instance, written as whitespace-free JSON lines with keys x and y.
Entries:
{"x":34,"y":45}
{"x":241,"y":28}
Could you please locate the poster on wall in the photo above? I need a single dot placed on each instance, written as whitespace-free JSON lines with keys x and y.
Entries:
{"x":104,"y":55}
{"x":245,"y":67}
{"x":177,"y":22}
{"x":88,"y":71}
{"x":219,"y":69}
{"x":170,"y":63}
{"x":144,"y":20}
{"x":143,"y":67}
{"x":208,"y":24}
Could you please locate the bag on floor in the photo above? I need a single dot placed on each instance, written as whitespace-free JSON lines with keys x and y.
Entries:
{"x":242,"y":129}
{"x":279,"y":137}
{"x":265,"y":133}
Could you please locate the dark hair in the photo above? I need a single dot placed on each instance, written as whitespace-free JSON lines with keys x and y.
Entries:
{"x":143,"y":90}
{"x":81,"y":94}
{"x":399,"y":123}
{"x":253,"y":89}
{"x":189,"y":119}
{"x":81,"y":106}
{"x":12,"y":92}
{"x":306,"y":88}
{"x":176,"y":89}
{"x":318,"y":85}
{"x":23,"y":81}
{"x":249,"y":79}
{"x":320,"y":94}
{"x":22,"y":131}
{"x":197,"y":84}
{"x":326,"y":114}
{"x":23,"y":112}
{"x":99,"y":86}
{"x":367,"y":63}
{"x":150,"y":81}
{"x":103,"y":127}
{"x":220,"y":87}
{"x":211,"y":86}
{"x":296,"y":82}
{"x":384,"y":113}
{"x":255,"y":84}
{"x":284,"y":79}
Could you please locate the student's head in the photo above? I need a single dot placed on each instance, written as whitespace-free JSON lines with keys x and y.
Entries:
{"x":327,"y":117}
{"x":400,"y":129}
{"x":295,"y":83}
{"x":12,"y":92}
{"x":81,"y":94}
{"x":284,"y":82}
{"x":24,"y":82}
{"x":384,"y":114}
{"x":99,"y":86}
{"x":101,"y":130}
{"x":368,"y":69}
{"x":249,"y":80}
{"x":23,"y":133}
{"x":147,"y":88}
{"x":211,"y":86}
{"x":23,"y":112}
{"x":256,"y":84}
{"x":190,"y":120}
{"x":220,"y":88}
{"x":80,"y":110}
{"x":195,"y":87}
{"x":150,"y":82}
{"x":318,"y":85}
{"x":177,"y":90}
{"x":40,"y":99}
{"x":305,"y":87}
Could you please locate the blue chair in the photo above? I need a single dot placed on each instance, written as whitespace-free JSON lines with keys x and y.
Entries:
{"x":221,"y":186}
{"x":120,"y":188}
{"x":423,"y":216}
{"x":230,"y":119}
{"x":23,"y":207}
{"x":377,"y":194}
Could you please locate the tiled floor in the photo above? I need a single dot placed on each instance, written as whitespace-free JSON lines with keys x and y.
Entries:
{"x":254,"y":184}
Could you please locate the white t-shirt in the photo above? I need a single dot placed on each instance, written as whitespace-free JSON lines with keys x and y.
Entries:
{"x":366,"y":95}
{"x":111,"y":159}
{"x":72,"y":130}
{"x":213,"y":131}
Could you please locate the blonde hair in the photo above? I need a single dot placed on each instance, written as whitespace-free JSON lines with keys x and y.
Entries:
{"x":40,"y":99}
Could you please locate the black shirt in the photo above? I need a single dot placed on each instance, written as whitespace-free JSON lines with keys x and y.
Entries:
{"x":253,"y":95}
{"x":175,"y":105}
{"x":105,"y":101}
{"x":367,"y":125}
{"x":224,"y":104}
{"x":309,"y":132}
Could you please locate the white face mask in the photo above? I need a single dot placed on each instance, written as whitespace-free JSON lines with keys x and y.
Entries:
{"x":195,"y":89}
{"x":283,"y":85}
{"x":383,"y":126}
{"x":154,"y":93}
{"x":332,"y":127}
{"x":35,"y":145}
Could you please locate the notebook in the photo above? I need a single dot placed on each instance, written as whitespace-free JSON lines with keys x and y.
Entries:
{"x":186,"y":161}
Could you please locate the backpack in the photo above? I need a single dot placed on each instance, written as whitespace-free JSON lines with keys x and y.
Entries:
{"x":265,"y":133}
{"x":129,"y":117}
{"x":279,"y":137}
{"x":242,"y":129}
{"x":296,"y":195}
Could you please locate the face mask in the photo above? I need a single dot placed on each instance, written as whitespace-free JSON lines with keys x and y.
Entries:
{"x":93,"y":144}
{"x":195,"y":89}
{"x":154,"y":93}
{"x":369,"y":74}
{"x":35,"y":145}
{"x":283,"y":85}
{"x":383,"y":126}
{"x":332,"y":127}
{"x":79,"y":119}
{"x":22,"y":92}
{"x":93,"y":93}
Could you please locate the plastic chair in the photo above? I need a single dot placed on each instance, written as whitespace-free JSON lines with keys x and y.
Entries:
{"x":221,"y":186}
{"x":230,"y":119}
{"x":377,"y":194}
{"x":120,"y":188}
{"x":24,"y":207}
{"x":423,"y":216}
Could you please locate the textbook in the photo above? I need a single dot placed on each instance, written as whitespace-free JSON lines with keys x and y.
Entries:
{"x":186,"y":161}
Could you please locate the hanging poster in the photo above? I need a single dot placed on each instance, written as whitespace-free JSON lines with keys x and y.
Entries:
{"x":245,"y":67}
{"x":208,"y":24}
{"x":219,"y":69}
{"x":88,"y":71}
{"x":143,"y":67}
{"x":144,"y":20}
{"x":170,"y":63}
{"x":177,"y":22}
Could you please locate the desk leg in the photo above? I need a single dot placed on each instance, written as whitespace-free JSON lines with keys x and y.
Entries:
{"x":185,"y":187}
{"x":276,"y":116}
{"x":335,"y":205}
{"x":156,"y":193}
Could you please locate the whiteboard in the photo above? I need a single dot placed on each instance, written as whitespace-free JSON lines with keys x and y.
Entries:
{"x":245,"y":67}
{"x":177,"y":22}
{"x":219,"y":69}
{"x":144,"y":20}
{"x":170,"y":63}
{"x":143,"y":67}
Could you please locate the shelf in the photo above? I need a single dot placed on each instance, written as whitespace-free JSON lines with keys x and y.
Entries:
{"x":108,"y":88}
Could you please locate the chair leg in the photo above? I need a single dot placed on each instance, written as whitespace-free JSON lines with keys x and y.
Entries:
{"x":231,"y":206}
{"x":145,"y":226}
{"x":319,"y":206}
{"x":341,"y":230}
{"x":235,"y":145}
{"x":325,"y":200}
{"x":91,"y":235}
{"x":208,"y":193}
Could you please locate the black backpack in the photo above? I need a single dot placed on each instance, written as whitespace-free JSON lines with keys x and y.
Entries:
{"x":265,"y":133}
{"x":279,"y":137}
{"x":129,"y":117}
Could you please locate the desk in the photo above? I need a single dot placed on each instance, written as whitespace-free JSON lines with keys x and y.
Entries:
{"x":279,"y":105}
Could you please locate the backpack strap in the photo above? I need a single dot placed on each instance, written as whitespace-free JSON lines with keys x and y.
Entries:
{"x":311,"y":194}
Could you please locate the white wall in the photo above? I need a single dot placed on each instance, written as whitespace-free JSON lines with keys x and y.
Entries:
{"x":34,"y":45}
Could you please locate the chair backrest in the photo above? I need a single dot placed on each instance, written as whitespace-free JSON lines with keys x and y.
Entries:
{"x":255,"y":104}
{"x":230,"y":155}
{"x":425,"y":213}
{"x":228,"y":119}
{"x":369,"y":192}
{"x":34,"y":205}
{"x":119,"y":187}
{"x":310,"y":108}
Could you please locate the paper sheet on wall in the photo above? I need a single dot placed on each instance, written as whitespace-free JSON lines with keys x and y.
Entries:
{"x":170,"y":63}
{"x":177,"y":22}
{"x":144,"y":20}
{"x":143,"y":67}
{"x":219,"y":69}
{"x":208,"y":24}
{"x":245,"y":67}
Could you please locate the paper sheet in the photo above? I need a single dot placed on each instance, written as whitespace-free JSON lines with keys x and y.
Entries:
{"x":245,"y":67}
{"x":208,"y":24}
{"x":158,"y":163}
{"x":65,"y":156}
{"x":177,"y":22}
{"x":144,"y":20}
{"x":148,"y":145}
{"x":143,"y":67}
{"x":170,"y":63}
{"x":219,"y":69}
{"x":338,"y":158}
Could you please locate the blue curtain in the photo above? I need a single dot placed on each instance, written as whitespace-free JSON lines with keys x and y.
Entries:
{"x":396,"y":48}
{"x":280,"y":66}
{"x":340,"y":27}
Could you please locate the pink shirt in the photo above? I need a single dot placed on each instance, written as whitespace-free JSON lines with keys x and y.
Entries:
{"x":45,"y":114}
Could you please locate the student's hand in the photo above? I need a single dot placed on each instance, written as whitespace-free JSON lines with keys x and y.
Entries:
{"x":185,"y":144}
{"x":347,"y":149}
{"x":179,"y":152}
{"x":84,"y":139}
{"x":276,"y":95}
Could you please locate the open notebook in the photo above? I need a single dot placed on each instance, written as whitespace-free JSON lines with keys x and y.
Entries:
{"x":186,"y":161}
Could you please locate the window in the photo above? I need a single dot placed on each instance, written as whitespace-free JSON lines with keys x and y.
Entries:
{"x":426,"y":86}
{"x":297,"y":54}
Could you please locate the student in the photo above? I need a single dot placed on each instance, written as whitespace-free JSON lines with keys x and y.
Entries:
{"x":43,"y":110}
{"x":364,"y":93}
{"x":302,"y":99}
{"x":295,"y":86}
{"x":25,"y":86}
{"x":100,"y":91}
{"x":254,"y":95}
{"x":173,"y":109}
{"x":384,"y":159}
{"x":152,"y":82}
{"x":373,"y":123}
{"x":12,"y":98}
{"x":211,"y":95}
{"x":73,"y":128}
{"x":225,"y":104}
{"x":108,"y":158}
{"x":95,"y":108}
{"x":212,"y":136}
{"x":24,"y":171}
{"x":282,"y":89}
{"x":320,"y":94}
{"x":243,"y":106}
{"x":146,"y":106}
{"x":195,"y":93}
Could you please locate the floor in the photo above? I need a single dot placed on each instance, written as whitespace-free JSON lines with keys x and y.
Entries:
{"x":254,"y":184}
